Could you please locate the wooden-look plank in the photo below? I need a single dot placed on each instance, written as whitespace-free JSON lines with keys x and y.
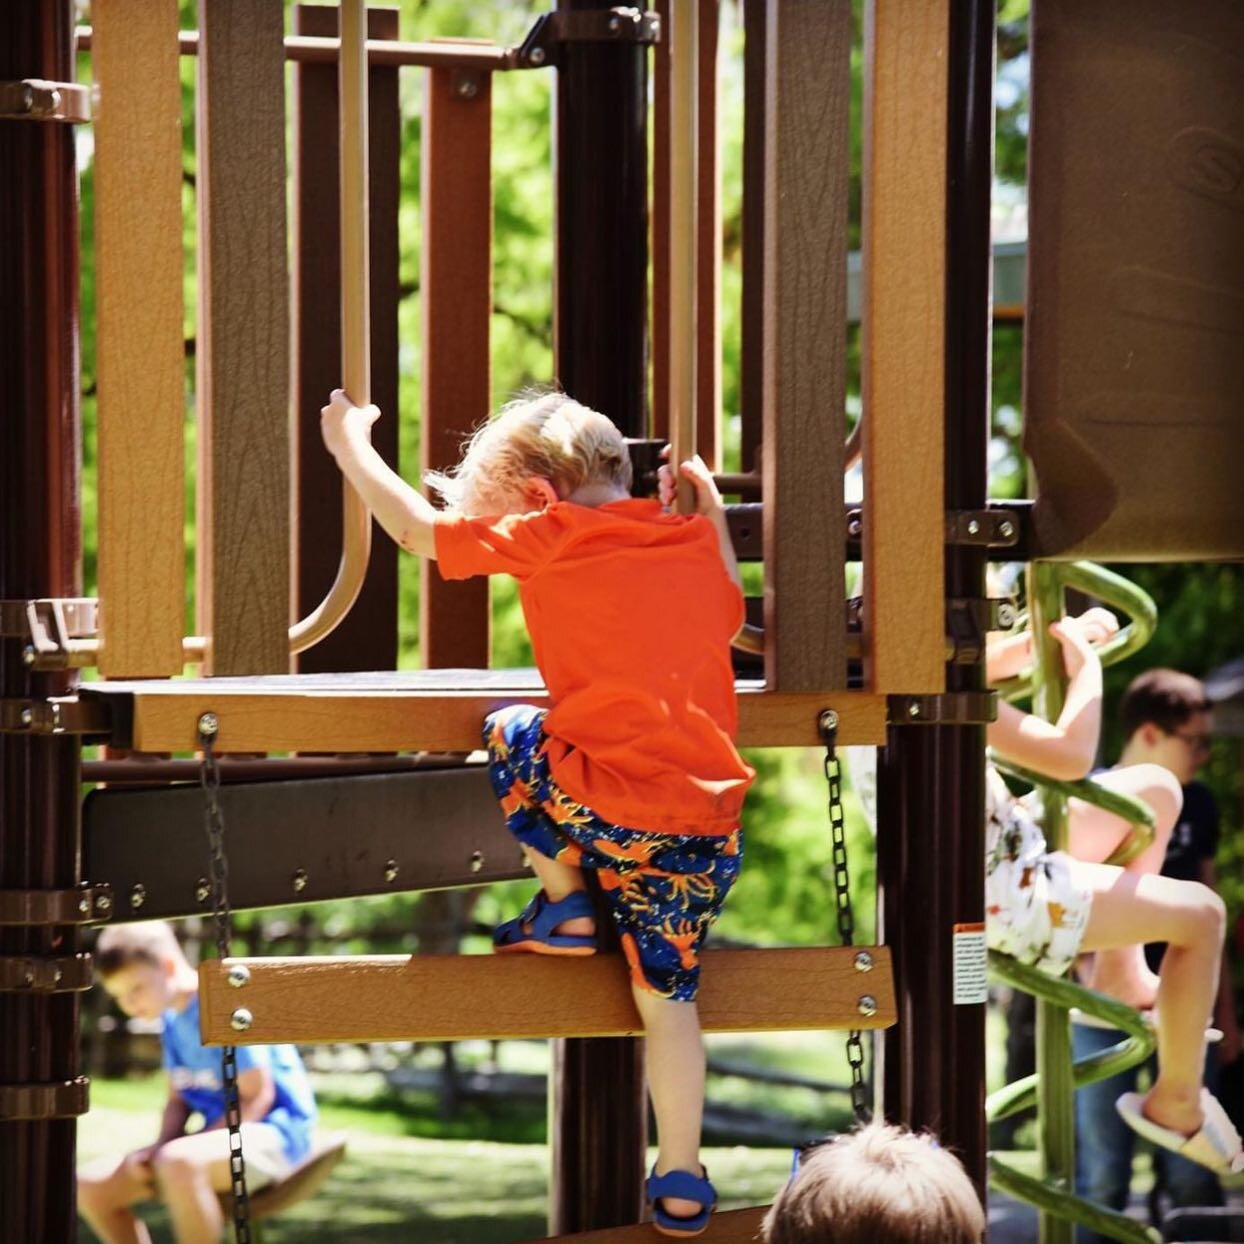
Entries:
{"x":460,"y":997}
{"x":661,"y":208}
{"x":751,"y":352}
{"x":140,"y":355}
{"x":367,"y":637}
{"x":161,"y":717}
{"x":456,"y":295}
{"x":807,"y":151}
{"x":904,"y":276}
{"x":243,"y":354}
{"x":736,"y":1226}
{"x":708,"y":243}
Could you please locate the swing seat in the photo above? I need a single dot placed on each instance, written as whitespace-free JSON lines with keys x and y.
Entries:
{"x":303,"y":1180}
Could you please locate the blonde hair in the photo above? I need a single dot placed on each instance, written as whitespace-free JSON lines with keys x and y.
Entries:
{"x":879,"y":1183}
{"x":122,"y":946}
{"x":542,"y":435}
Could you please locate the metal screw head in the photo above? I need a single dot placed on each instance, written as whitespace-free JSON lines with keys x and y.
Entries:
{"x":57,"y":976}
{"x":238,"y":975}
{"x":1006,"y":616}
{"x":103,"y":902}
{"x":84,"y":905}
{"x":614,"y":24}
{"x":1006,"y":529}
{"x":973,"y":527}
{"x":209,"y":725}
{"x":27,"y":717}
{"x":138,"y":896}
{"x":477,"y":861}
{"x":390,"y":870}
{"x":28,"y":655}
{"x":300,"y":880}
{"x":202,"y":890}
{"x":913,"y":709}
{"x":468,"y":88}
{"x":863,"y":961}
{"x":867,"y":1005}
{"x":828,"y":720}
{"x":854,"y":527}
{"x":241,"y":1019}
{"x":28,"y":976}
{"x":537,"y":56}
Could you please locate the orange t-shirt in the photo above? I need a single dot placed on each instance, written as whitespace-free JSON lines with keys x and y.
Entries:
{"x":631,"y":613}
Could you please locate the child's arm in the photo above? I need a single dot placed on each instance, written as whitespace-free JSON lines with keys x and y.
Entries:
{"x":256,"y":1096}
{"x":707,"y":502}
{"x":1065,"y":749}
{"x":408,"y":517}
{"x":173,"y":1122}
{"x":1008,"y":655}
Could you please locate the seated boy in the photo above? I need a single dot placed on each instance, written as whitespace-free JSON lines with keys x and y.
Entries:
{"x":143,"y":968}
{"x":880,"y":1183}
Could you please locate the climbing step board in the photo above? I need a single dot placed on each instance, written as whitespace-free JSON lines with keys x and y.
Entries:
{"x":738,"y":1226}
{"x":460,"y":997}
{"x":414,"y":710}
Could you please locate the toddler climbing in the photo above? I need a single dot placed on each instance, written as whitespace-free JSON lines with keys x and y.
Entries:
{"x":631,"y":774}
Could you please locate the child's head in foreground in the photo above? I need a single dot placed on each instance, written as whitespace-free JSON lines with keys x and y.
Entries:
{"x":878,"y":1183}
{"x":142,"y":966}
{"x":540,"y":436}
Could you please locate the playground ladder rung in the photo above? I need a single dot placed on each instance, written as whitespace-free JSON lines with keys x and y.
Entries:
{"x":737,"y":1226}
{"x":460,"y":997}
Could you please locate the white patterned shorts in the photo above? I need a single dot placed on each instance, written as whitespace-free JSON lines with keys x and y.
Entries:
{"x":1034,"y":911}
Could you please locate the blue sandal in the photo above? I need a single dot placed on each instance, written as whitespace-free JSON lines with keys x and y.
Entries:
{"x":688,"y":1187}
{"x":543,"y":917}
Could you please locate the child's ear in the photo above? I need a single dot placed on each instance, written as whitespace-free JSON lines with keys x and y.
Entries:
{"x":540,"y":492}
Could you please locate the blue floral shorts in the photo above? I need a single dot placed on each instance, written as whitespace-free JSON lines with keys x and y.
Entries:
{"x":662,"y":890}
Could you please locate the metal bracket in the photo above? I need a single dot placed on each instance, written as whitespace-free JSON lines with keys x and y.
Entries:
{"x":84,"y":904}
{"x":621,"y":24}
{"x":952,"y":708}
{"x":68,"y":1099}
{"x":968,"y":620}
{"x":33,"y":99}
{"x":30,"y":974}
{"x":58,"y":715}
{"x":50,"y":625}
{"x":996,"y":529}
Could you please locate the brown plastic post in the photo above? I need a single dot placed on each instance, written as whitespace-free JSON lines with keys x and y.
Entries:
{"x":243,"y":347}
{"x":40,"y":555}
{"x":140,"y":356}
{"x":367,"y":637}
{"x":456,"y":293}
{"x":751,"y":354}
{"x":708,"y":241}
{"x":805,"y":282}
{"x":661,"y":207}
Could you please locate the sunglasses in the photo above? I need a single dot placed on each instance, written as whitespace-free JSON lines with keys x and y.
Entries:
{"x":1198,"y":742}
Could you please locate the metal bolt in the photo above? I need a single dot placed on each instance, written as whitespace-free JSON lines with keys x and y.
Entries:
{"x":1006,"y":529}
{"x":138,"y":896}
{"x":614,"y":25}
{"x":28,"y":655}
{"x":202,"y":890}
{"x":209,"y":725}
{"x":913,"y":709}
{"x":468,"y":88}
{"x":238,"y":975}
{"x":390,"y":870}
{"x":57,"y":976}
{"x":868,"y":1005}
{"x":103,"y":902}
{"x":27,"y":717}
{"x":854,"y":527}
{"x":973,"y":527}
{"x":477,"y":861}
{"x":84,"y":906}
{"x":241,"y":1019}
{"x":300,"y":880}
{"x":28,"y":977}
{"x":537,"y":56}
{"x":863,"y":961}
{"x":1006,"y":616}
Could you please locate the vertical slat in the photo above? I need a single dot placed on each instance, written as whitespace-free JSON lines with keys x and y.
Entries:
{"x":903,"y":330}
{"x":660,"y":329}
{"x":456,"y":290}
{"x":708,"y":243}
{"x":139,"y":352}
{"x":751,"y":353}
{"x":367,"y":637}
{"x":805,"y":334}
{"x":244,"y":598}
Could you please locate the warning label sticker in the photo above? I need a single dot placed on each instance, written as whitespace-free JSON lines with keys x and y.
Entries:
{"x":971,"y":965}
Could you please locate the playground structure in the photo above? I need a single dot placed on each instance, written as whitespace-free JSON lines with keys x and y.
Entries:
{"x":903,"y":670}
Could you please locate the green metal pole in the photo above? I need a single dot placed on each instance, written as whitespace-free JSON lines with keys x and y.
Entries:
{"x":1055,"y":1086}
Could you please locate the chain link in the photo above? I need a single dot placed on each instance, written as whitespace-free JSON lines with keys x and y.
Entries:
{"x":828,"y":725}
{"x":209,"y":778}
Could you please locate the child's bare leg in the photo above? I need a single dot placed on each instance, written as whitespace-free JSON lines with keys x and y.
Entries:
{"x":1095,"y":834}
{"x":106,"y":1199}
{"x":676,"y":1069}
{"x":189,"y":1171}
{"x":559,"y":880}
{"x":1130,"y":907}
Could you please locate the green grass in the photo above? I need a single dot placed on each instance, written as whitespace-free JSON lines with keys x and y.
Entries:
{"x":394,"y":1186}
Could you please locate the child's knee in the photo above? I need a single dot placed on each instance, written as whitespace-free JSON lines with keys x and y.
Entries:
{"x":175,"y":1169}
{"x":1205,"y":916}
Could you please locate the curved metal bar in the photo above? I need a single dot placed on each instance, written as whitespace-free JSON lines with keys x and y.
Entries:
{"x":355,"y":327}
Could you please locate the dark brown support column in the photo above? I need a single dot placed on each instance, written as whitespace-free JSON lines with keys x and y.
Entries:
{"x":40,"y":555}
{"x":754,"y":127}
{"x":931,"y":781}
{"x":367,"y":638}
{"x":599,"y":1110}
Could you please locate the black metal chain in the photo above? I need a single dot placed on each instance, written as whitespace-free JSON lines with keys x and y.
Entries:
{"x":828,"y":727}
{"x":209,"y":778}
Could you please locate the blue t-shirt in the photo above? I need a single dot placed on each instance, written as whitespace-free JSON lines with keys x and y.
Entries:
{"x":194,"y":1070}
